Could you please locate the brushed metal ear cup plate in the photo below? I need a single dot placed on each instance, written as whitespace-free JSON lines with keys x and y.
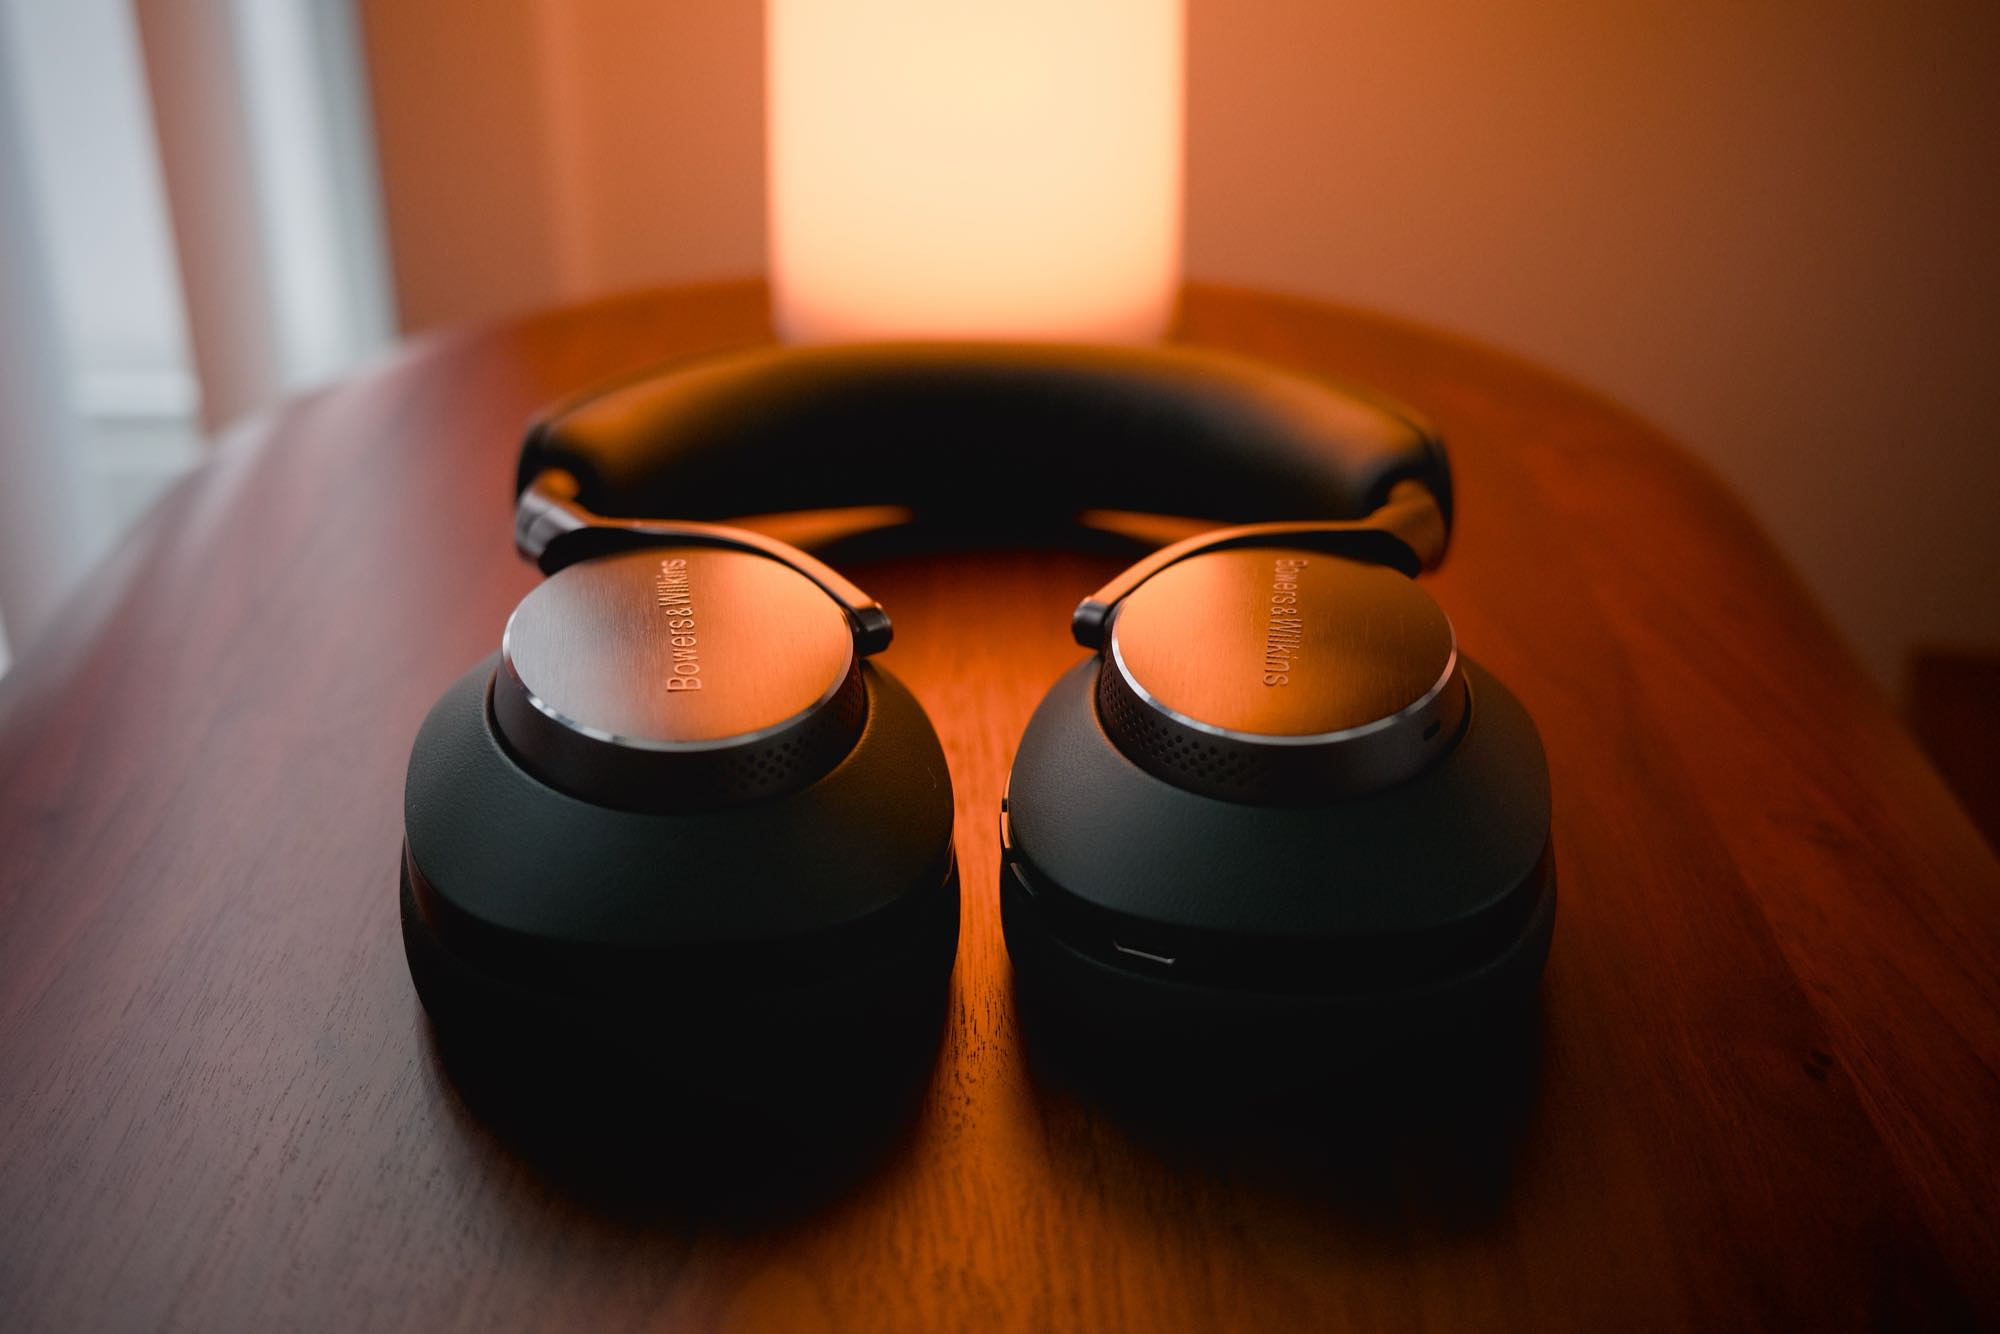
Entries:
{"x":1281,"y":675}
{"x":676,"y":677}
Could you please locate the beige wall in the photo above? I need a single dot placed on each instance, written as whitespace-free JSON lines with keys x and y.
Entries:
{"x":535,"y":151}
{"x":1767,"y":227}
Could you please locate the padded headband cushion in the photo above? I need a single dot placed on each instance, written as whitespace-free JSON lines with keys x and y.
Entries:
{"x":974,"y":433}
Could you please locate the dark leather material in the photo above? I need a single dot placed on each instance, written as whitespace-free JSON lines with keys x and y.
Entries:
{"x":1422,"y":880}
{"x":568,"y":895}
{"x":1025,"y":435}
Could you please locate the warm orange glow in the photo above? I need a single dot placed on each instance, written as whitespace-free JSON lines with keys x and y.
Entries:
{"x":961,"y":168}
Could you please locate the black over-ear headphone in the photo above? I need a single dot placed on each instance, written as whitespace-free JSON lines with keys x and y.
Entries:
{"x":1275,"y":818}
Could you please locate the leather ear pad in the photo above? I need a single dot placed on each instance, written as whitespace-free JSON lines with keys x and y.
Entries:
{"x":1176,"y":929}
{"x":728,"y":948}
{"x":1023,"y":434}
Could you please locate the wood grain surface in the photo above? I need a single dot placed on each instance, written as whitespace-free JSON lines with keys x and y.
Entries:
{"x":1767,"y":1085}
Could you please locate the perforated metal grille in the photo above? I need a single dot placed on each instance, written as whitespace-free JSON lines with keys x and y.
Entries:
{"x":797,"y":757}
{"x":1265,"y":774}
{"x":644,"y":780}
{"x":1215,"y":767}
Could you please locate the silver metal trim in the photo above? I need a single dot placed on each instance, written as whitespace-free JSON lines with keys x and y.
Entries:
{"x":548,"y":510}
{"x":1383,"y":724}
{"x":598,"y":734}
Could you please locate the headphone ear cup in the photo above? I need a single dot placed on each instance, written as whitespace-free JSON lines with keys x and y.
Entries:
{"x":1159,"y":933}
{"x":739,"y":950}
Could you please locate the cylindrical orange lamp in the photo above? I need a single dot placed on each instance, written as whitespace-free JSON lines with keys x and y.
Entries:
{"x":970,"y":169}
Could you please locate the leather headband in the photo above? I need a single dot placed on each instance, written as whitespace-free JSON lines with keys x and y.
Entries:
{"x":985,"y":434}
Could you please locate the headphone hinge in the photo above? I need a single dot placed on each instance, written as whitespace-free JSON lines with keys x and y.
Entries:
{"x":1406,"y":533}
{"x":554,"y":531}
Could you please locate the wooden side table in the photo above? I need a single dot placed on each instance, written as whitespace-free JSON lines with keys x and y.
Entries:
{"x":1769,"y":1085}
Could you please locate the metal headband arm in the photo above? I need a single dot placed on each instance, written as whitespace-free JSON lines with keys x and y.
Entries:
{"x":553,"y":530}
{"x":1407,"y":533}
